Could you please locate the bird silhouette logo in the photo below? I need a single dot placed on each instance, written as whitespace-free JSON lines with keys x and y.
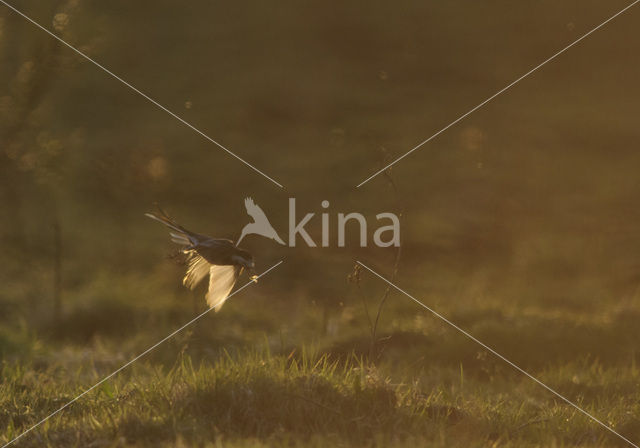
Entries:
{"x":260,"y":225}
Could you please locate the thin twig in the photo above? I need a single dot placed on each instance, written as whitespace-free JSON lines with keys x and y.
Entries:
{"x":400,"y":208}
{"x":366,"y":307}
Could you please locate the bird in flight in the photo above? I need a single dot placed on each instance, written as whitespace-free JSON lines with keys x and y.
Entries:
{"x":260,"y":224}
{"x":218,"y":257}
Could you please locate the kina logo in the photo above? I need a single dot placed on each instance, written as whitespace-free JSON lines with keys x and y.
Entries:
{"x":384,"y":236}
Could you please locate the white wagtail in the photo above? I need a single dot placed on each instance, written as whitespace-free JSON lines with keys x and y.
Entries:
{"x":218,"y":257}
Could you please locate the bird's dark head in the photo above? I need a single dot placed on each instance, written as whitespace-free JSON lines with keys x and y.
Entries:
{"x":245,"y":259}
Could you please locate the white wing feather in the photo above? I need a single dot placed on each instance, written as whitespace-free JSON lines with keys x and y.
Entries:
{"x":197,"y":270}
{"x":221,"y":281}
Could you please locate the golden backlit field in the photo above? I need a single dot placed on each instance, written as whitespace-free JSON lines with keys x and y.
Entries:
{"x":520,"y":224}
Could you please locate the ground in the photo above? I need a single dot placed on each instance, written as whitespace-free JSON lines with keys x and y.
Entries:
{"x":238,"y":377}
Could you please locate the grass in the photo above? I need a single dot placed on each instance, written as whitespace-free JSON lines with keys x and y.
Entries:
{"x":258,"y":399}
{"x":270,"y":375}
{"x":256,"y":396}
{"x":266,"y":372}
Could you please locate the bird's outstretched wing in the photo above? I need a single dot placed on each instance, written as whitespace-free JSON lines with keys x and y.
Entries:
{"x":221,"y":281}
{"x":255,"y":211}
{"x":197,"y":269}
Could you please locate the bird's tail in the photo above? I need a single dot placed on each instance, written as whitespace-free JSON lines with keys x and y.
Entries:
{"x":180,"y":234}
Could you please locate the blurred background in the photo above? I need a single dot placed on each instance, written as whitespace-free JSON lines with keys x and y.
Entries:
{"x":520,"y":223}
